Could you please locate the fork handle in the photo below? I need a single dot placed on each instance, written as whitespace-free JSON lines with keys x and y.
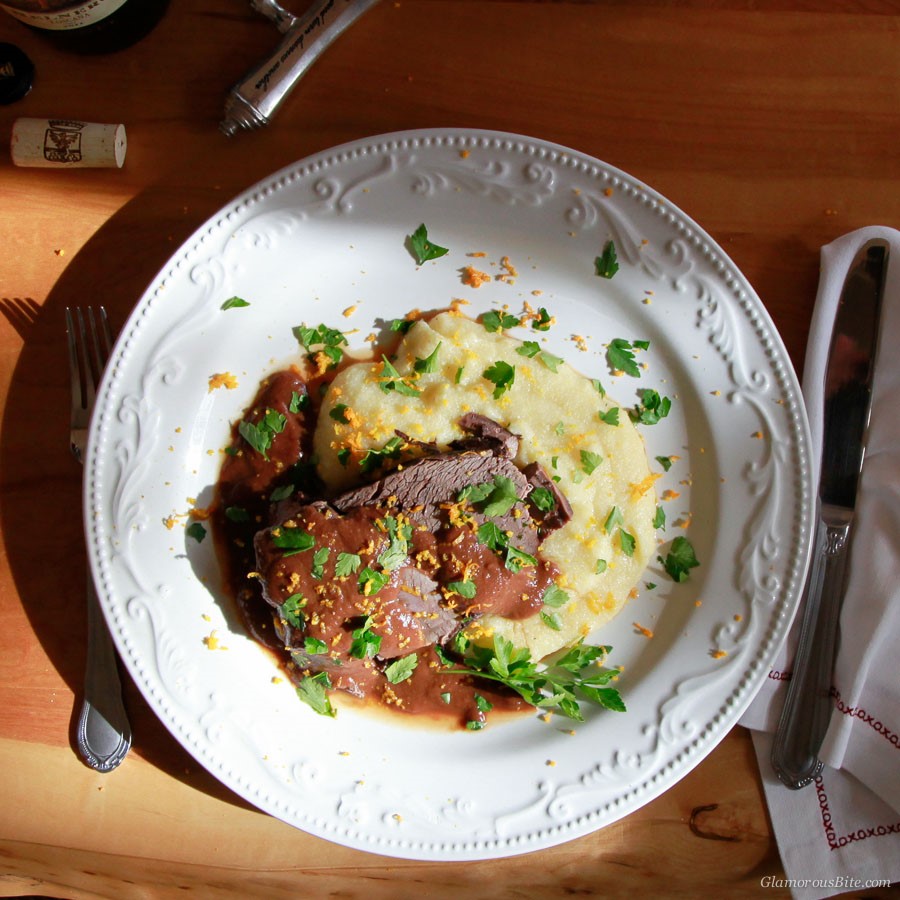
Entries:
{"x":103,"y":733}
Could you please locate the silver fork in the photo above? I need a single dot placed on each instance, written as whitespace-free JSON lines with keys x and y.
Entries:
{"x":103,"y":733}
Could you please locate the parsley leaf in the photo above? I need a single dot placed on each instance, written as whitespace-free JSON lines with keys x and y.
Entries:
{"x":607,"y":264}
{"x":293,"y":540}
{"x":347,"y":564}
{"x":291,"y":610}
{"x":614,"y":518}
{"x":680,"y":559}
{"x":610,"y":417}
{"x":620,"y":354}
{"x":259,"y":435}
{"x":423,"y":249}
{"x":590,"y":461}
{"x":659,"y":518}
{"x":465,"y":589}
{"x":401,"y":669}
{"x":559,"y":686}
{"x":542,"y":498}
{"x":313,"y":690}
{"x":196,"y":531}
{"x":543,"y":321}
{"x":234,"y":303}
{"x":428,"y":365}
{"x":652,"y":408}
{"x":371,"y":581}
{"x":391,"y":380}
{"x":364,"y":643}
{"x":626,"y":542}
{"x":320,"y":557}
{"x":665,"y":462}
{"x":372,"y":459}
{"x":502,"y":375}
{"x":329,"y":341}
{"x":494,"y":321}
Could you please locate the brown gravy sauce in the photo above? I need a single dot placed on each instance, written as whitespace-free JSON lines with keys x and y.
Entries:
{"x":242,"y":509}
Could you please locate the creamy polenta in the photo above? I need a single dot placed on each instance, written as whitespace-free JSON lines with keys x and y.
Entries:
{"x":599,"y":465}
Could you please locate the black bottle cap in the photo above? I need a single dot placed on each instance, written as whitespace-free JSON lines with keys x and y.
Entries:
{"x":16,"y":74}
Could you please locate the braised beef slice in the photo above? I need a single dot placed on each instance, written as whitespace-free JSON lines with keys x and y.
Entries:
{"x":561,"y":512}
{"x":486,"y":434}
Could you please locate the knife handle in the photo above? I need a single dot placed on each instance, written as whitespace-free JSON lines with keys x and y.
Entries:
{"x":808,"y":706}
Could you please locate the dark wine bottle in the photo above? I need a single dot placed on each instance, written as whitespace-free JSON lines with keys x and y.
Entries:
{"x":88,"y":26}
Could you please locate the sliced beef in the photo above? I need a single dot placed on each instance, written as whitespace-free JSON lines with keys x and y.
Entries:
{"x":560,"y":513}
{"x":486,"y":435}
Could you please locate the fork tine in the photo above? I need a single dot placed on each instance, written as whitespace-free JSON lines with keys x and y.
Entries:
{"x":106,"y":335}
{"x":76,"y":340}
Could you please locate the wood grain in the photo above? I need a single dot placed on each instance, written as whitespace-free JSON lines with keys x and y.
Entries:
{"x":773,"y":123}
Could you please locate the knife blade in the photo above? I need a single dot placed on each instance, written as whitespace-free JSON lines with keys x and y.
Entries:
{"x":849,"y":375}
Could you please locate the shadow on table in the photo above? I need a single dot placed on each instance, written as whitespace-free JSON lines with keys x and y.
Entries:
{"x":41,"y":514}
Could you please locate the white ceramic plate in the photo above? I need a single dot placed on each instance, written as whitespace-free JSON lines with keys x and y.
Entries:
{"x":327,"y":234}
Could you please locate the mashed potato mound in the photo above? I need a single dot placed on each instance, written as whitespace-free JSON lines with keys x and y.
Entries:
{"x":557,"y":417}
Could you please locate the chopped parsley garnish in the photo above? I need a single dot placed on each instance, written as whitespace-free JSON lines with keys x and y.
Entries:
{"x":196,"y":531}
{"x":423,"y":249}
{"x":562,"y":685}
{"x":282,"y":492}
{"x":291,"y":610}
{"x":590,"y":461}
{"x":494,"y":321}
{"x":372,"y":581}
{"x":614,"y":518}
{"x":364,"y":643}
{"x":553,"y":598}
{"x":607,"y":264}
{"x":314,"y":647}
{"x":429,"y":364}
{"x":598,"y":387}
{"x":320,"y":557}
{"x":236,"y":514}
{"x":391,"y":380}
{"x":483,"y":704}
{"x":298,"y":402}
{"x":516,"y":559}
{"x":502,"y":375}
{"x":313,"y":690}
{"x":338,"y":412}
{"x":610,"y":417}
{"x":626,"y":542}
{"x":234,"y":303}
{"x":401,"y":326}
{"x":328,"y":341}
{"x":401,"y":669}
{"x":497,"y":497}
{"x":293,"y":540}
{"x":372,"y":459}
{"x":680,"y":559}
{"x":542,"y":499}
{"x":399,"y":535}
{"x":543,"y":321}
{"x":259,"y":435}
{"x":600,"y":566}
{"x":347,"y":564}
{"x":652,"y":408}
{"x":464,"y":588}
{"x":665,"y":462}
{"x":659,"y":518}
{"x":532,"y":350}
{"x":620,"y":354}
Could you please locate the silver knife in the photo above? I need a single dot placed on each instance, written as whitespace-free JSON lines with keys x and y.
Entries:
{"x":848,"y":395}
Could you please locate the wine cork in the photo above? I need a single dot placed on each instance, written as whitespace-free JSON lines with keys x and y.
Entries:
{"x":67,"y":144}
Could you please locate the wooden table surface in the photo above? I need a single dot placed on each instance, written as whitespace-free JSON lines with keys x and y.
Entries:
{"x":775,"y":124}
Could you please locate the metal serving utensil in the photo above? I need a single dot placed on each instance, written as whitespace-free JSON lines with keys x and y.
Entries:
{"x":103,"y":733}
{"x":848,"y":396}
{"x":253,"y":101}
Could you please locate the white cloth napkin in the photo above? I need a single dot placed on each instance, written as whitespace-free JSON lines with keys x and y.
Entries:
{"x":844,"y":830}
